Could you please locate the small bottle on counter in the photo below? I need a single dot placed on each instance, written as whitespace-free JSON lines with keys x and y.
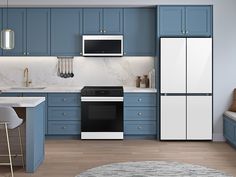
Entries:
{"x":146,"y":80}
{"x":138,"y":81}
{"x":143,"y":83}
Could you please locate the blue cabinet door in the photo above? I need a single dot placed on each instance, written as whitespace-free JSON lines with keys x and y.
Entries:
{"x":198,"y":21}
{"x":38,"y":32}
{"x":92,"y":21}
{"x":139,"y":31}
{"x":0,"y":27}
{"x":172,"y":20}
{"x":112,"y":21}
{"x":66,"y":30}
{"x":17,"y":22}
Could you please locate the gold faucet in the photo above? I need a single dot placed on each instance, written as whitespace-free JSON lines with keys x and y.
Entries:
{"x":26,"y":77}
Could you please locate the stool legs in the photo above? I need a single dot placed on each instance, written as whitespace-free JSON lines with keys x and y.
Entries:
{"x":9,"y":150}
{"x":21,"y":147}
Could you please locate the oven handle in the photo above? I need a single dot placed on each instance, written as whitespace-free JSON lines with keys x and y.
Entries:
{"x":102,"y":99}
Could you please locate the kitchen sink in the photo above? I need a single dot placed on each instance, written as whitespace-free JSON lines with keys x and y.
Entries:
{"x":27,"y":88}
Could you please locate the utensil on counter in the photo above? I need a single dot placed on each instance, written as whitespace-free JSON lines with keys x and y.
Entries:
{"x":61,"y":68}
{"x":72,"y":63}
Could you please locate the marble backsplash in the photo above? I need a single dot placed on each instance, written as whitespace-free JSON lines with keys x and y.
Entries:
{"x":87,"y":70}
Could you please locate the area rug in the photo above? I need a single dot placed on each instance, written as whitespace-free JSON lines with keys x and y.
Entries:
{"x":152,"y":169}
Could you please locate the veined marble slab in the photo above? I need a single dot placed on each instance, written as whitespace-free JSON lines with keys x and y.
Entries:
{"x":21,"y":101}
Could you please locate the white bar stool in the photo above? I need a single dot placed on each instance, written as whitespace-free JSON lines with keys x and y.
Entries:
{"x":10,"y":120}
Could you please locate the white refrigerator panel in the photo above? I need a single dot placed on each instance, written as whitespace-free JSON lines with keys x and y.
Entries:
{"x":173,"y":65}
{"x":173,"y":117}
{"x":199,"y":117}
{"x":199,"y":65}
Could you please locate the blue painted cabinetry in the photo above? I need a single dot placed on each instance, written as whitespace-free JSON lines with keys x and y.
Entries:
{"x":64,"y":114}
{"x":66,"y":30}
{"x":17,"y":22}
{"x":46,"y":106}
{"x":1,"y":27}
{"x":230,"y":130}
{"x":139,"y":31}
{"x":140,"y":114}
{"x":185,"y":21}
{"x":102,"y":21}
{"x":38,"y":32}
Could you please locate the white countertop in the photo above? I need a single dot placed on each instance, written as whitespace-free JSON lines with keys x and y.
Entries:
{"x":21,"y":101}
{"x":70,"y":90}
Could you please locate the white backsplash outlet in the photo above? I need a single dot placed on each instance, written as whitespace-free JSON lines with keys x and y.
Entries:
{"x":87,"y":70}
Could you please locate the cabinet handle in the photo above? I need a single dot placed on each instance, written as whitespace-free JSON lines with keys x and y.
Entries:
{"x":104,"y":31}
{"x":183,"y":32}
{"x":28,"y":53}
{"x":24,"y":53}
{"x":124,"y":53}
{"x":64,"y":127}
{"x":80,"y":53}
{"x":64,"y":99}
{"x":186,"y":32}
{"x":139,"y":127}
{"x":139,"y":113}
{"x":140,"y":99}
{"x":64,"y":113}
{"x":100,"y":31}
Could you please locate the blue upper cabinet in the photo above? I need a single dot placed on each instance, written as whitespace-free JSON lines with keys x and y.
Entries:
{"x":198,"y":21}
{"x":66,"y":29}
{"x":17,"y":22}
{"x":139,"y":31}
{"x":0,"y":27}
{"x":112,"y":21}
{"x":92,"y":21}
{"x":172,"y":20}
{"x":185,"y":21}
{"x":38,"y":32}
{"x":103,"y":21}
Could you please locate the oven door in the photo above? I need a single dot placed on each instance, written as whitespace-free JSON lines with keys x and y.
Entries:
{"x":102,"y":115}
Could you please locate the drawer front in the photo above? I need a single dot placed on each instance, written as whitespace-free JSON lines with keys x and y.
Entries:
{"x":10,"y":94}
{"x":67,"y":99}
{"x":144,"y":99}
{"x":64,"y":127}
{"x":140,"y":127}
{"x":140,"y":113}
{"x":64,"y":113}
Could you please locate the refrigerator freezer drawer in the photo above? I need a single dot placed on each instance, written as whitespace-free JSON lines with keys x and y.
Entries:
{"x":173,"y":117}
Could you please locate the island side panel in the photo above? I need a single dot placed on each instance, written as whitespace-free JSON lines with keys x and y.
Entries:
{"x":35,"y":137}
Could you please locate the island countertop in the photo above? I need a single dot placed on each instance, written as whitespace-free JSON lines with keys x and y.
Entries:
{"x":21,"y":101}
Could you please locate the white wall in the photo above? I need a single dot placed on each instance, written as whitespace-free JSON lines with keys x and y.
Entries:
{"x":224,"y":42}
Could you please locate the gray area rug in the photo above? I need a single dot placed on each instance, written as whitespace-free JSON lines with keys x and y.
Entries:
{"x":151,"y":169}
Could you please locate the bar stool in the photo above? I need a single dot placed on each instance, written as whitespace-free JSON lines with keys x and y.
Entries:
{"x":10,"y":120}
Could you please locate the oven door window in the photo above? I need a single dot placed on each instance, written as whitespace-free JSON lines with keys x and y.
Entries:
{"x":102,"y":117}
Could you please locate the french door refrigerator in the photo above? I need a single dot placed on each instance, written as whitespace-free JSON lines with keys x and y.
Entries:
{"x":186,"y":89}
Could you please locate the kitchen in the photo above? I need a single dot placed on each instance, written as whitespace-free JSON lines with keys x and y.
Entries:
{"x":50,"y":46}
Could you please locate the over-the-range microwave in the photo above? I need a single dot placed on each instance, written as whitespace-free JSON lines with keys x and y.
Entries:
{"x":102,"y":45}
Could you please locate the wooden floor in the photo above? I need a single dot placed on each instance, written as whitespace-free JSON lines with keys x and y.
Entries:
{"x":67,"y":158}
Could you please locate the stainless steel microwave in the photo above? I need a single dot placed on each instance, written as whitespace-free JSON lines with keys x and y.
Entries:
{"x":102,"y":45}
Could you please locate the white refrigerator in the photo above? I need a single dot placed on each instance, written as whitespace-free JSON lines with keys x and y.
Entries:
{"x":186,"y":89}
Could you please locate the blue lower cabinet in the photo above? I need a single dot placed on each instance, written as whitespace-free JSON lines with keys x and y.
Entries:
{"x":140,"y":99}
{"x":140,"y":113}
{"x":64,"y":113}
{"x":63,"y":127}
{"x":140,"y":127}
{"x":63,"y":99}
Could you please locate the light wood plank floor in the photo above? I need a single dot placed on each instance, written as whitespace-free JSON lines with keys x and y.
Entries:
{"x":67,"y":158}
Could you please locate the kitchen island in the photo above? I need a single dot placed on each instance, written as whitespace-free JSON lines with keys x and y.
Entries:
{"x":31,"y":109}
